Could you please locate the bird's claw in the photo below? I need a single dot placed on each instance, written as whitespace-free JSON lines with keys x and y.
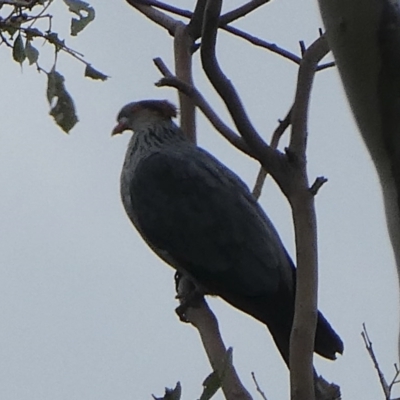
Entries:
{"x":187,"y":294}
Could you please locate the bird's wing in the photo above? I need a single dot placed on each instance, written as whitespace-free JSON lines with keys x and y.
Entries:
{"x":191,"y":207}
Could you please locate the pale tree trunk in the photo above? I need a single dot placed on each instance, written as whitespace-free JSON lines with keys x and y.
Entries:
{"x":364,"y":36}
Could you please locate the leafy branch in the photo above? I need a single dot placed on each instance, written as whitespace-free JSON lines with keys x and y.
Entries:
{"x":21,"y":28}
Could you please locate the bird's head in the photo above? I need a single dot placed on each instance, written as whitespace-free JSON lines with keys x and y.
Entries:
{"x":142,"y":114}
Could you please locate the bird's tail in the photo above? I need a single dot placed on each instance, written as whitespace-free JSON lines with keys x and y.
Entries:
{"x":327,"y":341}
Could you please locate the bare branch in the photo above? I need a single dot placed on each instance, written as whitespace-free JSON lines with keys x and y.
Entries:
{"x":368,"y":345}
{"x":276,"y":136}
{"x":262,"y":43}
{"x":271,"y":159}
{"x":162,"y":67}
{"x":260,"y":180}
{"x":394,"y":380}
{"x":259,"y":390}
{"x":235,"y":31}
{"x":204,"y":320}
{"x":241,"y":11}
{"x":305,"y":226}
{"x":154,"y":15}
{"x":172,"y":81}
{"x":183,"y":67}
{"x":307,"y":70}
{"x":326,"y":66}
{"x":196,"y":20}
{"x":194,"y":310}
{"x":166,"y":7}
{"x":317,"y":185}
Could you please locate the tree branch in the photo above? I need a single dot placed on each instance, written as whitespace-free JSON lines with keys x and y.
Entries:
{"x":235,"y":31}
{"x":272,"y":160}
{"x":172,"y":81}
{"x":276,"y":136}
{"x":194,"y":309}
{"x":305,"y":226}
{"x":204,"y":320}
{"x":196,"y":20}
{"x":368,"y":344}
{"x":263,"y":44}
{"x":154,"y":15}
{"x":183,"y":67}
{"x":308,"y":67}
{"x":241,"y":11}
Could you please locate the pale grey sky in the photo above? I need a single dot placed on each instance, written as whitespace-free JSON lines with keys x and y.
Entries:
{"x":87,"y":311}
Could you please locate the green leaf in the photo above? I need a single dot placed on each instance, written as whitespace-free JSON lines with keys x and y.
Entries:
{"x":90,"y":72}
{"x":84,"y":11}
{"x":63,"y":111}
{"x":18,"y":50}
{"x":32,"y":54}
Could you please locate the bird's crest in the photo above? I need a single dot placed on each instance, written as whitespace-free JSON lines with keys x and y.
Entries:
{"x":163,"y":107}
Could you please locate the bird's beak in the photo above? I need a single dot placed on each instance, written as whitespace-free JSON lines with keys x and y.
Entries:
{"x":121,"y":126}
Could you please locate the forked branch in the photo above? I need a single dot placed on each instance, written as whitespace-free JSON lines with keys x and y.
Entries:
{"x":192,"y":92}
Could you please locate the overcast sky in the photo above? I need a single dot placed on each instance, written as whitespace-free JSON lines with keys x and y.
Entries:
{"x":87,"y":311}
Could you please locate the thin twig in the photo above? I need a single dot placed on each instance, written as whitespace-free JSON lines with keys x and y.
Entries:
{"x":262,"y":43}
{"x":317,"y":185}
{"x":394,"y":380}
{"x":382,"y":380}
{"x":154,"y":15}
{"x":235,"y":31}
{"x":259,"y":390}
{"x":326,"y":66}
{"x":164,"y":7}
{"x":276,"y":136}
{"x":241,"y":11}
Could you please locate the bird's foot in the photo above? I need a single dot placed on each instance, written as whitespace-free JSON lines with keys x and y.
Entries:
{"x":187,"y":294}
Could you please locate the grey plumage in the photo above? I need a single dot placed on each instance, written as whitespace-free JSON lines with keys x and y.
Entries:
{"x":200,"y":218}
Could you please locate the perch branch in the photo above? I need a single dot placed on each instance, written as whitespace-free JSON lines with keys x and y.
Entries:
{"x":203,"y":319}
{"x":194,"y":309}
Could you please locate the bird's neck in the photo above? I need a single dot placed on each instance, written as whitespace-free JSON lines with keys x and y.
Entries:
{"x":154,"y":135}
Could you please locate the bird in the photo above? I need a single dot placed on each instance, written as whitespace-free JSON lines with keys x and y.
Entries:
{"x":200,"y":218}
